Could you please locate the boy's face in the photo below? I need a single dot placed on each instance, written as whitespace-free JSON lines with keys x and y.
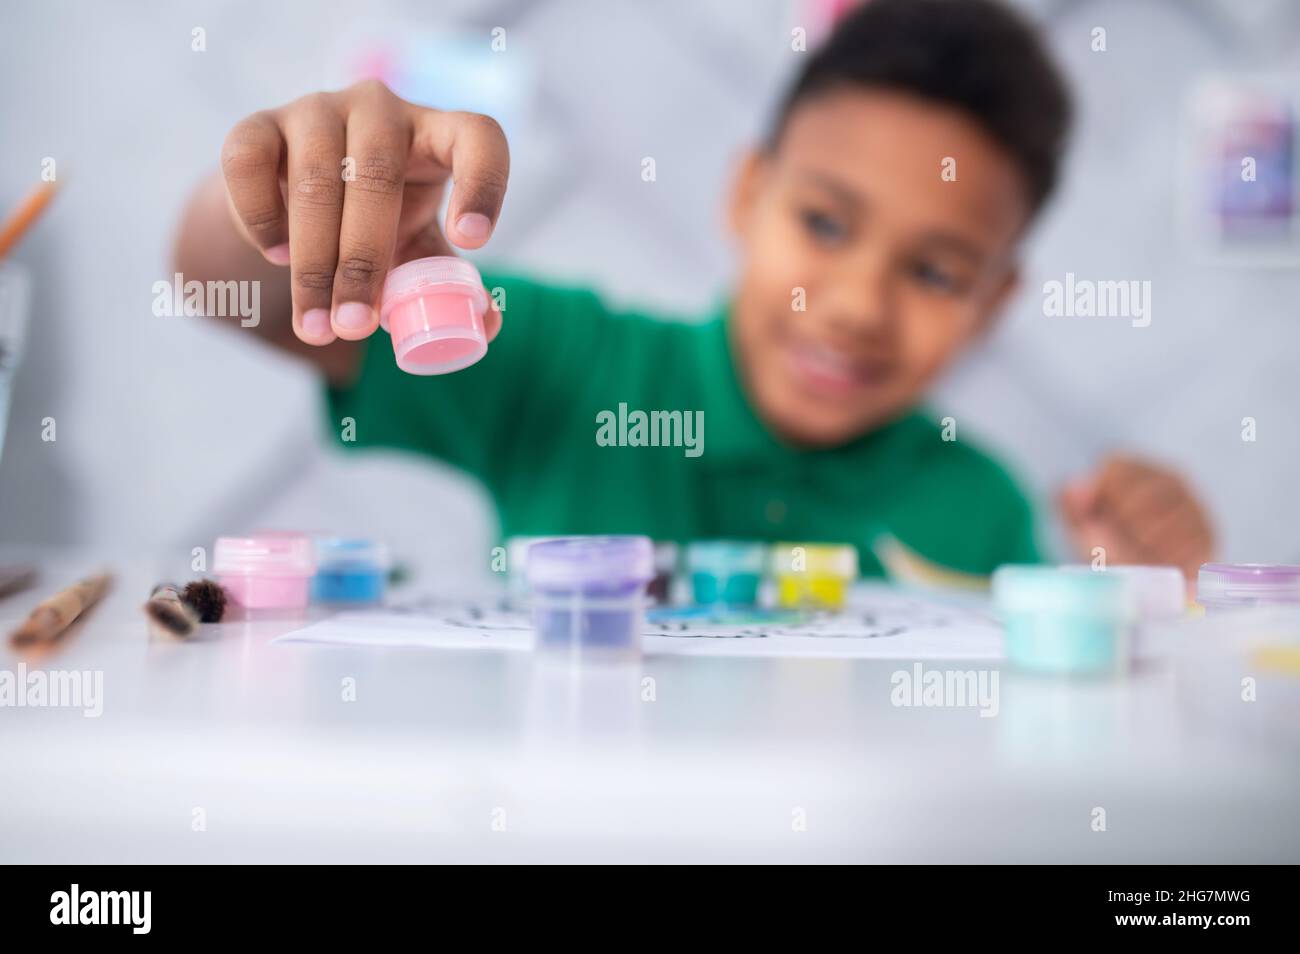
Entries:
{"x":899,"y":268}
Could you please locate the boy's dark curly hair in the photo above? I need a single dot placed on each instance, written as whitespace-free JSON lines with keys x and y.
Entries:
{"x":976,"y":55}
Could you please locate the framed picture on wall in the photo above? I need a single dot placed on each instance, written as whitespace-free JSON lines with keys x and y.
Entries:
{"x":1240,"y":177}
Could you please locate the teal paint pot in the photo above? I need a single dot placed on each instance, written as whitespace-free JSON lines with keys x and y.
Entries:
{"x":1065,"y":620}
{"x":725,"y":572}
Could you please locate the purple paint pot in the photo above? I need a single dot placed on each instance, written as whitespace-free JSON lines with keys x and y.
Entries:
{"x":1227,"y":586}
{"x":588,"y":595}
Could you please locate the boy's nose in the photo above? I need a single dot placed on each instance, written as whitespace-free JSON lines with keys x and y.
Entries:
{"x":862,"y":298}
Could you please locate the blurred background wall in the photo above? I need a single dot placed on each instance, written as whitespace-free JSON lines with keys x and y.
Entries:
{"x":170,"y":431}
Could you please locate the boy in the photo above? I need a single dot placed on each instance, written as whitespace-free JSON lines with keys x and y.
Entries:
{"x":863,"y":275}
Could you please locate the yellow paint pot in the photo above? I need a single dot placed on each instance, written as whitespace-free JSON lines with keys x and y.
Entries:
{"x":813,"y":575}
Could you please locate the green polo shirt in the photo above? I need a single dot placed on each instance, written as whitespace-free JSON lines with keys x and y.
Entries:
{"x":539,"y":422}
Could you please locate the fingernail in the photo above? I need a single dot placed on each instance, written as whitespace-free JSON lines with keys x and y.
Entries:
{"x":353,"y":315}
{"x":316,"y":323}
{"x":278,"y":254}
{"x":474,"y":226}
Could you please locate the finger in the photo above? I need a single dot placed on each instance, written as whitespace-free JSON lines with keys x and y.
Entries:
{"x":474,"y":148}
{"x":250,"y":164}
{"x":1191,"y":556}
{"x":378,"y":138}
{"x":314,"y":132}
{"x":1148,"y":499}
{"x":1116,"y":479}
{"x":1186,"y":550}
{"x":1188,"y":554}
{"x":1171,"y":533}
{"x":1151,"y":525}
{"x":1158,"y":538}
{"x":1116,"y":474}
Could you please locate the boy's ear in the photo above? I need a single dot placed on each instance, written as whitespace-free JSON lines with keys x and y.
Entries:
{"x":1008,"y":285}
{"x":745,"y":184}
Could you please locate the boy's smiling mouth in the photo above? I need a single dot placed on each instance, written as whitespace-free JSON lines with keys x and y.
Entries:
{"x":823,"y":371}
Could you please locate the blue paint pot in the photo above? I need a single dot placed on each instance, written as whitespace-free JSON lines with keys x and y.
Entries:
{"x":349,"y":571}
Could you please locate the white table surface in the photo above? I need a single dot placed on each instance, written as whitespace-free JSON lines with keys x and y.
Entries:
{"x":734,"y":760}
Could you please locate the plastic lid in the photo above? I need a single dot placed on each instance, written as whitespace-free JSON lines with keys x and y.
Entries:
{"x":591,"y":561}
{"x":725,"y":557}
{"x":434,"y":308}
{"x":817,"y":558}
{"x":1159,"y":592}
{"x":517,"y":551}
{"x":1062,"y":590}
{"x":445,"y":271}
{"x":1248,"y":583}
{"x":266,"y":553}
{"x":331,"y":550}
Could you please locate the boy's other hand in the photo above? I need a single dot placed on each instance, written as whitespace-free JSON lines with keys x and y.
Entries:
{"x":340,"y":187}
{"x":1140,"y":513}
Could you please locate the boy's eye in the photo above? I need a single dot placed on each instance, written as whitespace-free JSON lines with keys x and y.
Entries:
{"x":823,"y":227}
{"x":935,"y":277}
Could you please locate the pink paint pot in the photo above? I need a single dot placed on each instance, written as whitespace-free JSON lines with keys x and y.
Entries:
{"x":433,"y":308}
{"x":268,"y":570}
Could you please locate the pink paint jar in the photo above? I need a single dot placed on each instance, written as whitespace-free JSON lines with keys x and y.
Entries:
{"x":268,"y":570}
{"x":433,"y":308}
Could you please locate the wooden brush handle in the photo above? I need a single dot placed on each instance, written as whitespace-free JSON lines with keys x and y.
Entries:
{"x":56,"y":614}
{"x":27,"y":213}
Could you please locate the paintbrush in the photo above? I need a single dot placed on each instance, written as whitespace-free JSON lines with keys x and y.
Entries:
{"x":25,"y":215}
{"x":177,"y":612}
{"x":169,"y":612}
{"x":206,"y":598}
{"x":49,"y":620}
{"x":16,"y":577}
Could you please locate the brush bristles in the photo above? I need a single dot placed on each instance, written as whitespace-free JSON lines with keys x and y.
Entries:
{"x":206,"y":598}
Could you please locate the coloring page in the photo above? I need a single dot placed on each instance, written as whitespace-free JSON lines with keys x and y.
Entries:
{"x":879,"y":622}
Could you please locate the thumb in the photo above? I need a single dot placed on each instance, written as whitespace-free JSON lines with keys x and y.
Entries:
{"x":1077,"y":499}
